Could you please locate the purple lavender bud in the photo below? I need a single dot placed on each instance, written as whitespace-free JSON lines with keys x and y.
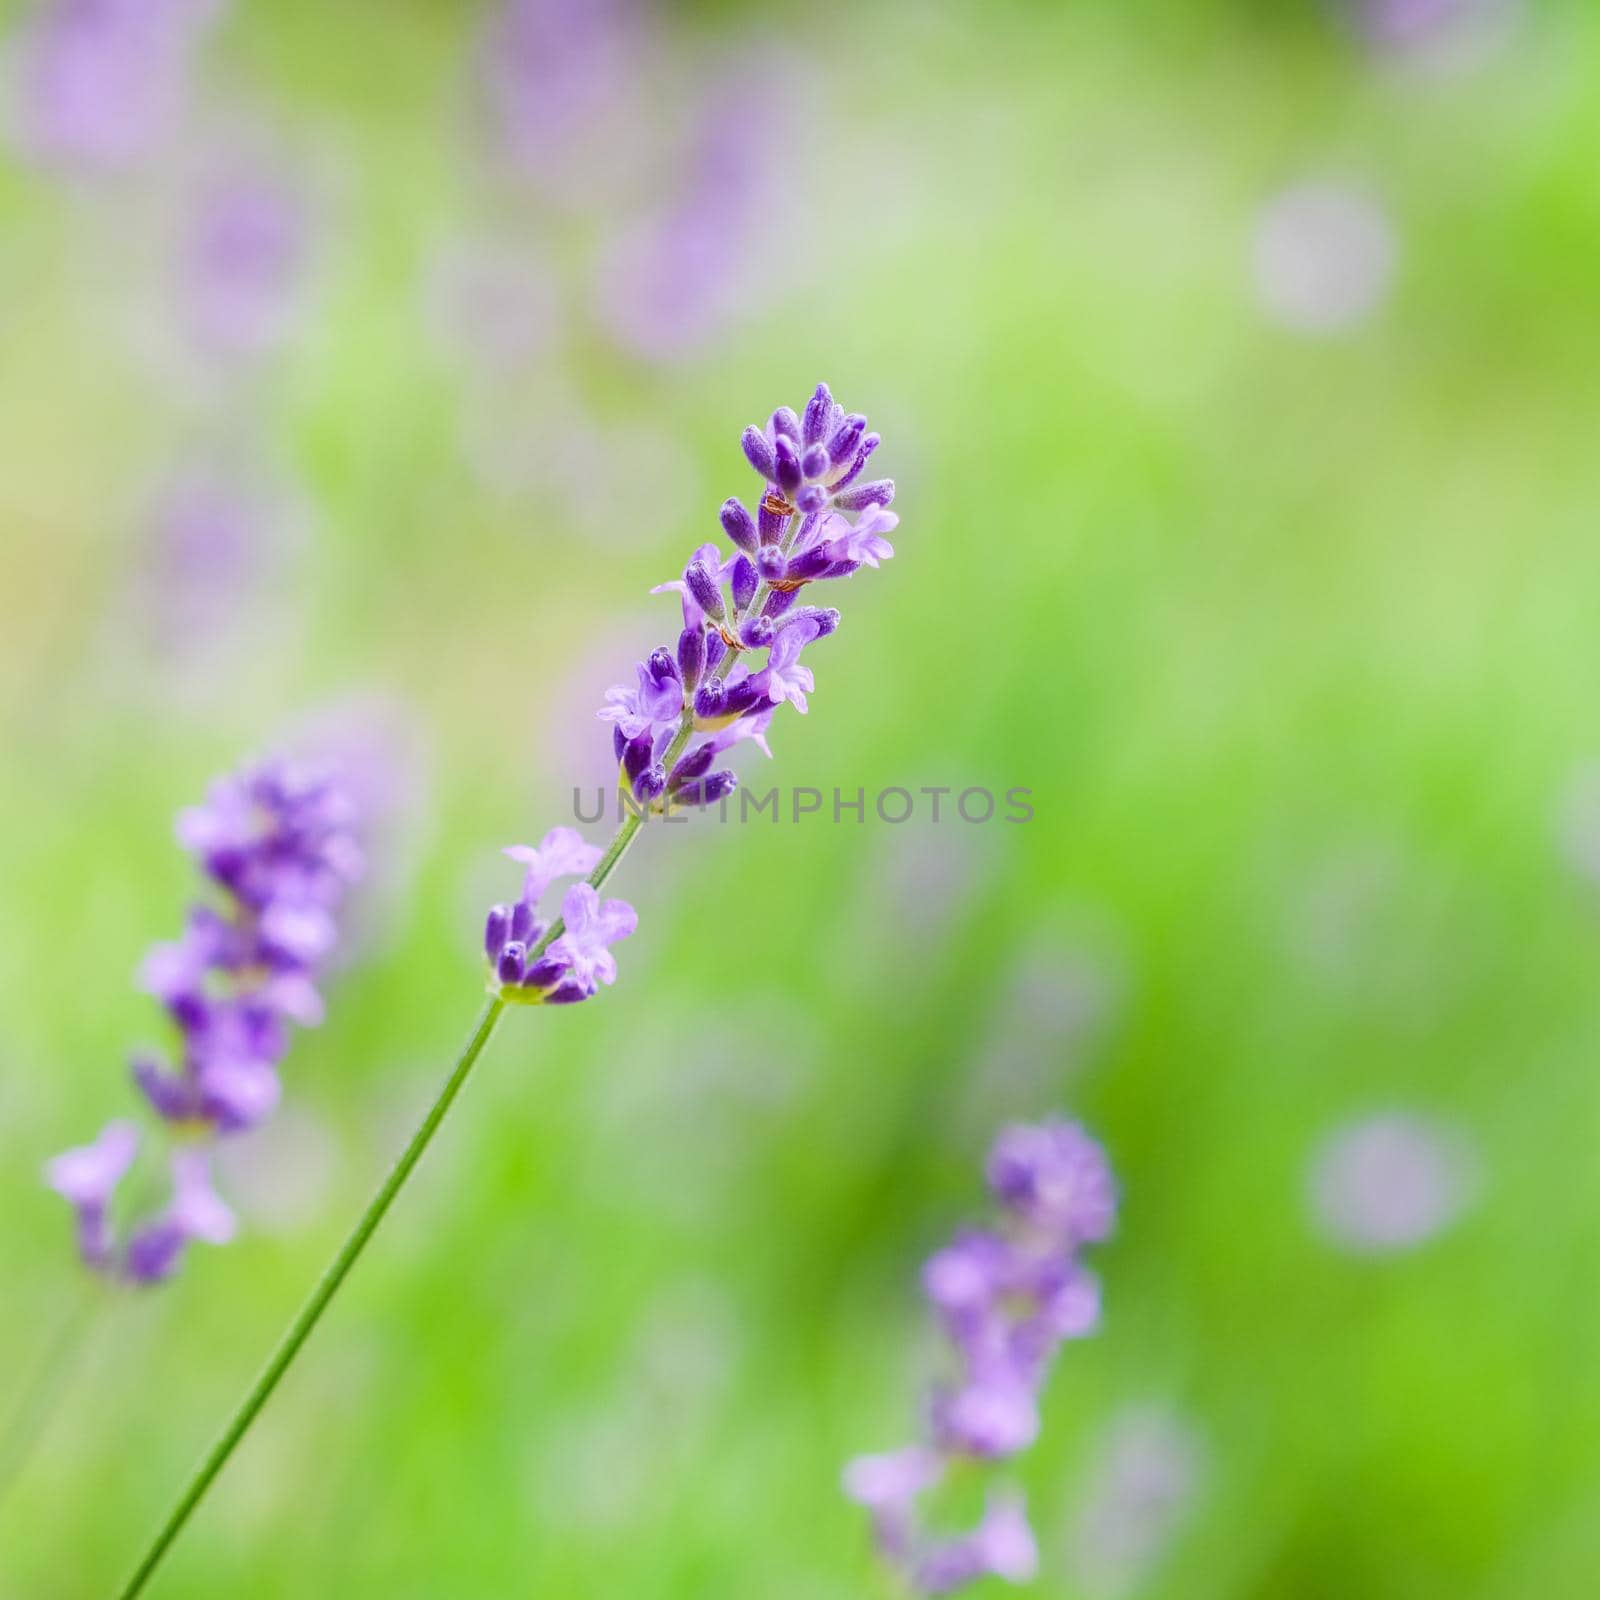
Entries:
{"x":716,"y":649}
{"x":661,"y":666}
{"x":509,"y":966}
{"x":771,"y":521}
{"x":524,"y":923}
{"x":869,"y":443}
{"x":826,"y":619}
{"x":809,"y":564}
{"x":544,"y":973}
{"x":691,"y":660}
{"x":744,"y":696}
{"x":651,"y":784}
{"x":739,"y":525}
{"x":880,"y":492}
{"x":708,"y":791}
{"x":743,"y":582}
{"x":818,"y":415}
{"x":845,"y":441}
{"x":812,"y":498}
{"x":755,"y":633}
{"x":709,"y":701}
{"x":815,"y":461}
{"x":842,"y":569}
{"x":770,"y":563}
{"x":496,"y":930}
{"x":637,"y":756}
{"x":171,"y":1096}
{"x":154,"y":1252}
{"x":703,"y":588}
{"x":785,"y":425}
{"x":694,"y":765}
{"x":789,"y":476}
{"x":1055,"y":1177}
{"x":758,"y":451}
{"x":778,"y":602}
{"x":619,"y":740}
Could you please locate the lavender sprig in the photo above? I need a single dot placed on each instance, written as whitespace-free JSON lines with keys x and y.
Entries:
{"x":1005,"y":1299}
{"x":276,"y":844}
{"x":734,"y":606}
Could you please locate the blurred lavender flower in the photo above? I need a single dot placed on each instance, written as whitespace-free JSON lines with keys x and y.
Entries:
{"x":671,"y":280}
{"x":277,"y":844}
{"x":207,"y":598}
{"x":101,"y":82}
{"x":1324,"y":258}
{"x":87,"y":1178}
{"x":1434,"y":33}
{"x":1005,"y":1299}
{"x":1144,"y":1480}
{"x":243,"y":261}
{"x":551,"y":70}
{"x":1390,"y":1183}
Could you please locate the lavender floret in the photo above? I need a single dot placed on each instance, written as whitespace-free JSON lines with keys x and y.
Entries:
{"x":278,"y":845}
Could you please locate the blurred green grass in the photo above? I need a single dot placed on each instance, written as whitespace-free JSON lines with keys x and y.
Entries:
{"x":1237,"y":606}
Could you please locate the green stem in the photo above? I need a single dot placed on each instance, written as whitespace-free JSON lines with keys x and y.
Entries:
{"x":311,"y":1312}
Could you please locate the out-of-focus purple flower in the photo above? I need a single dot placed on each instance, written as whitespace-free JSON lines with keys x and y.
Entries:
{"x":1005,"y":1299}
{"x":100,"y":83}
{"x":1324,"y":257}
{"x":1001,"y":1546}
{"x":1436,"y":34}
{"x":194,"y":1212}
{"x":86,"y":1178}
{"x":243,"y":261}
{"x":1390,"y":1183}
{"x":277,"y":845}
{"x":1054,"y":1177}
{"x":1144,"y":1478}
{"x":216,"y":551}
{"x":552,"y":71}
{"x":674,"y":278}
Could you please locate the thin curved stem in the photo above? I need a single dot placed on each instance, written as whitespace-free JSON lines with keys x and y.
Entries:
{"x":311,"y":1312}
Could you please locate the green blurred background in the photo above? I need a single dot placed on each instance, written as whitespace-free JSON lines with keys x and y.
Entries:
{"x":1237,"y":367}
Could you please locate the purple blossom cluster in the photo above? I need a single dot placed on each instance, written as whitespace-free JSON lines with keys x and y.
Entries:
{"x":277,"y":844}
{"x":740,"y":602}
{"x":102,"y":81}
{"x":690,"y":704}
{"x":1006,"y":1299}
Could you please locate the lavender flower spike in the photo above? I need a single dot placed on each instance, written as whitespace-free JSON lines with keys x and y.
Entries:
{"x":277,"y":848}
{"x":1005,"y":1299}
